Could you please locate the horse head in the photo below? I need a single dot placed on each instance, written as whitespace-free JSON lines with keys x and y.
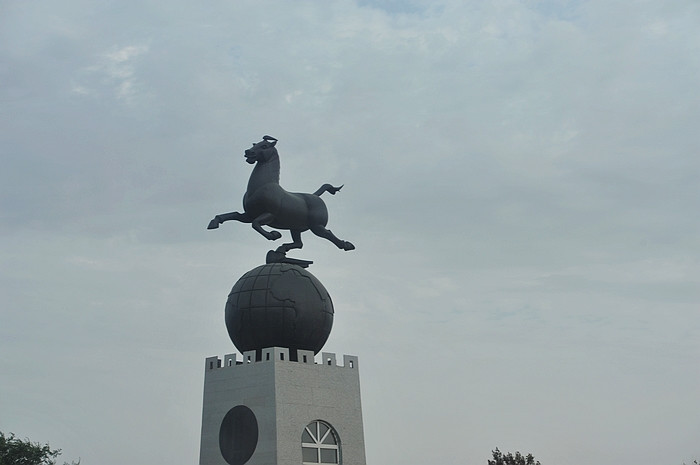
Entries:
{"x":262,"y":151}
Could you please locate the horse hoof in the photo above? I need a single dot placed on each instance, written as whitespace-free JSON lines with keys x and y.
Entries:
{"x":348,"y":246}
{"x":274,"y":235}
{"x":213,"y":224}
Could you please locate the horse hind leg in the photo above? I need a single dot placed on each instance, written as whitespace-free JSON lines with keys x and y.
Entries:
{"x":321,"y":231}
{"x":295,"y":244}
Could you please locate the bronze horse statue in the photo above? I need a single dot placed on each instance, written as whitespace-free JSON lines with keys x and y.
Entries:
{"x":265,"y":203}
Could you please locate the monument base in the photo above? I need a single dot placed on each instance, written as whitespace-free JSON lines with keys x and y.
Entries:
{"x":275,"y":411}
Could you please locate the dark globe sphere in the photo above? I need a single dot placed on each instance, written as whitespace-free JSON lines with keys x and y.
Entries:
{"x":279,"y":305}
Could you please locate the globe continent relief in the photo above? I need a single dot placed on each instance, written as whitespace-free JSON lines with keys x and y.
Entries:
{"x":279,"y":305}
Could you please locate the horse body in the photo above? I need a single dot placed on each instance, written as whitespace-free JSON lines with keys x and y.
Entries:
{"x":267,"y":203}
{"x":291,"y":210}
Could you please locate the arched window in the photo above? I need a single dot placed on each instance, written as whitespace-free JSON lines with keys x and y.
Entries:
{"x":319,"y":443}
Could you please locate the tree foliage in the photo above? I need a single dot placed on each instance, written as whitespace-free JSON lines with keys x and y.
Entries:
{"x":15,"y":451}
{"x":509,"y":459}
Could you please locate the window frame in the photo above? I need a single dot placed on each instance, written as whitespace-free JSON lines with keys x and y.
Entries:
{"x":313,"y":430}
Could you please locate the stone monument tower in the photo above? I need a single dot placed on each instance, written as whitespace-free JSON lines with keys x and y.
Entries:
{"x":283,"y":402}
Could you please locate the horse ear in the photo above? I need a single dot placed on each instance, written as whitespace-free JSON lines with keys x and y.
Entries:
{"x":270,"y":139}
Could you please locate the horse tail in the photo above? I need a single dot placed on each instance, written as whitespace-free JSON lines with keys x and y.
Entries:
{"x":327,"y":188}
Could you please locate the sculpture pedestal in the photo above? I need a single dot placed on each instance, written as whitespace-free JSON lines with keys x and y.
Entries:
{"x":281,"y":412}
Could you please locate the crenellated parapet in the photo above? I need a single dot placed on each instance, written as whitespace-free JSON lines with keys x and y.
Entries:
{"x":280,"y":355}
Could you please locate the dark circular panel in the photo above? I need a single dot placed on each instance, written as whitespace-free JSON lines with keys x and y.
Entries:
{"x":238,"y":435}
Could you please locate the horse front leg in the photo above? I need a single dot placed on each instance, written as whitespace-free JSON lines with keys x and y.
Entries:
{"x":296,"y":244}
{"x":218,"y":219}
{"x":321,"y":231}
{"x":266,"y":218}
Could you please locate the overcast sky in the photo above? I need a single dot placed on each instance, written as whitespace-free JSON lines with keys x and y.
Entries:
{"x":521,"y":184}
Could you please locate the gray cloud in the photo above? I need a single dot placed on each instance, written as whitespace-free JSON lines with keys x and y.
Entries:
{"x":520,"y":180}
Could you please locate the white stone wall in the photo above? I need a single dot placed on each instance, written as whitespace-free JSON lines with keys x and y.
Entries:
{"x":252,"y":385}
{"x":285,"y":396}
